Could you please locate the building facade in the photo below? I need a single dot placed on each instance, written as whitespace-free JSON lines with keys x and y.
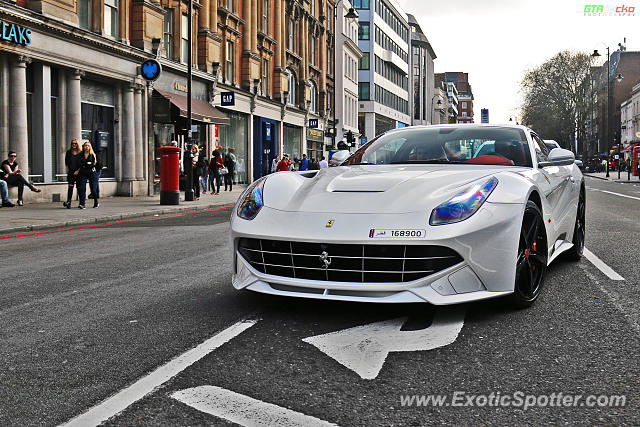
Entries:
{"x":421,"y":78}
{"x":440,"y":103}
{"x":383,"y":87}
{"x":349,"y":60}
{"x":262,"y":71}
{"x":630,"y":121}
{"x":465,"y":95}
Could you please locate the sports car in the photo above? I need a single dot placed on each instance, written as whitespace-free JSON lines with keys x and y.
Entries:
{"x":440,"y":214}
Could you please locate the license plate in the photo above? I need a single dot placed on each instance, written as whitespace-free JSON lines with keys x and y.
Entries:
{"x":396,"y":233}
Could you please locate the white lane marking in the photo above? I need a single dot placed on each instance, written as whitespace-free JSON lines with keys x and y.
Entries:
{"x":122,"y":400}
{"x":608,"y":271}
{"x":364,"y":349}
{"x":243,"y":410}
{"x":616,"y":194}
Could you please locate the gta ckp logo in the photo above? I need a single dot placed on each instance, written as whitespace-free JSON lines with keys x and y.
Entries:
{"x":609,"y":10}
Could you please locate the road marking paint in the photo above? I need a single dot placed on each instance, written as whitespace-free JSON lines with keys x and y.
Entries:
{"x":608,"y":271}
{"x":145,"y":385}
{"x":364,"y":349}
{"x":84,"y":227}
{"x":243,"y":410}
{"x":616,"y":194}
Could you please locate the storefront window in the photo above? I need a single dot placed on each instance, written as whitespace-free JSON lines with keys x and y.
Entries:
{"x":292,"y":141}
{"x":233,"y":139}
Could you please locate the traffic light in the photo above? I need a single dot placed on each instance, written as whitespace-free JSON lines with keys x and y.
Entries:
{"x":350,"y":138}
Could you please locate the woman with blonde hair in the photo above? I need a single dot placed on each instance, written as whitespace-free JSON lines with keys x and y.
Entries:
{"x":87,"y":172}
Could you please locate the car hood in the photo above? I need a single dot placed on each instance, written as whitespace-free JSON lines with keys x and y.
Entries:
{"x":372,"y":188}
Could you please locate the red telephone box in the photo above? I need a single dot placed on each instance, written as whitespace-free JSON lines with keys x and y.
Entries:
{"x":636,"y":160}
{"x":169,"y":175}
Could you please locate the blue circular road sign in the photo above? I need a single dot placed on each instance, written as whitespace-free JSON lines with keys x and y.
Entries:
{"x":151,"y":69}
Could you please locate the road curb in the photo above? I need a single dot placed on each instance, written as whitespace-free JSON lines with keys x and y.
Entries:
{"x":109,"y":218}
{"x":597,"y":177}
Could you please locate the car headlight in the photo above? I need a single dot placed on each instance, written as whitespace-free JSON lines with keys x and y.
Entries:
{"x":463,"y":205}
{"x":251,"y":201}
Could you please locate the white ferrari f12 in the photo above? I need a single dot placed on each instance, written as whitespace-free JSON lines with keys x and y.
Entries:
{"x":440,"y":214}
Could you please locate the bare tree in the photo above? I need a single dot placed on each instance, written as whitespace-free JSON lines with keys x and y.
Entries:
{"x":556,"y":98}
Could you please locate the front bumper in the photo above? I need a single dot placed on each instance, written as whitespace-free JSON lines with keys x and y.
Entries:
{"x":487,"y":243}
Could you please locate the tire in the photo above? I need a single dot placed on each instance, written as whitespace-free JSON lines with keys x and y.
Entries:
{"x":531,"y":261}
{"x":575,"y":253}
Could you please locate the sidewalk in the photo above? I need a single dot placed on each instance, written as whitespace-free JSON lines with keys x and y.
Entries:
{"x":38,"y":216}
{"x":613,"y":176}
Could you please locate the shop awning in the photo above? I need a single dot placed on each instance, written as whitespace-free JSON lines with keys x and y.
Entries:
{"x":200,"y":110}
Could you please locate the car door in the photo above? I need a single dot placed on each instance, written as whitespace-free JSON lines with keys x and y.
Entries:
{"x":553,"y":180}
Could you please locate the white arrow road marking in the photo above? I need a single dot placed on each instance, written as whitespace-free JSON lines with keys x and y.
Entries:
{"x":243,"y":410}
{"x":122,"y":400}
{"x":601,"y":265}
{"x":363,"y":349}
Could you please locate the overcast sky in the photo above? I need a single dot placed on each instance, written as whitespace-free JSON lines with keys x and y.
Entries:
{"x":496,"y":41}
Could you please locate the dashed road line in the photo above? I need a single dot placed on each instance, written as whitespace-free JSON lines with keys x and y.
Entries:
{"x":145,"y":385}
{"x":616,"y":194}
{"x":243,"y":410}
{"x":608,"y":271}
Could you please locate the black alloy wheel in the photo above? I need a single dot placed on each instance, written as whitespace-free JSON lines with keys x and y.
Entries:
{"x":575,"y":253}
{"x":531,"y":262}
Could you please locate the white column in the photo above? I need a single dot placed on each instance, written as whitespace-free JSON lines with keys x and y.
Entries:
{"x":74,"y":105}
{"x":63,"y":143}
{"x":41,"y":162}
{"x":370,"y":126}
{"x":139,"y":142}
{"x":250,"y":164}
{"x":4,"y":106}
{"x":128,"y":134}
{"x":18,"y":133}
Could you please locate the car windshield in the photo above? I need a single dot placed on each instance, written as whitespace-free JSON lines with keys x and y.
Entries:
{"x":464,"y":144}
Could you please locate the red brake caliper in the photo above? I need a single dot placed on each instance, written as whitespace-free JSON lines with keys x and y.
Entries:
{"x":533,"y":247}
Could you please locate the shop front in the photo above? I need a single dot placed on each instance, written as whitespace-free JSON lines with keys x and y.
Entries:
{"x":315,"y":144}
{"x":233,"y":139}
{"x":292,"y":141}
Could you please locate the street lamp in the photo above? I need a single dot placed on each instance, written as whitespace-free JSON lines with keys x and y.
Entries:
{"x":188,"y":167}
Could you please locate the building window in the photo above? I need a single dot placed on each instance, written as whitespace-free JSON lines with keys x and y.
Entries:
{"x":464,"y":104}
{"x":292,"y":88}
{"x":84,"y":14}
{"x":313,"y":107}
{"x":229,"y":57}
{"x":265,"y":16}
{"x":363,"y":31}
{"x":229,"y":5}
{"x":363,"y":91}
{"x":168,"y":33}
{"x":291,"y":29}
{"x":313,"y":51}
{"x":363,"y":63}
{"x":185,"y":38}
{"x":361,"y":4}
{"x":265,"y":77}
{"x":111,"y":18}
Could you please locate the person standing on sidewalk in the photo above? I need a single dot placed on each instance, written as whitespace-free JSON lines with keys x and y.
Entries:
{"x":87,"y":172}
{"x":72,"y":162}
{"x":215,"y":165}
{"x":197,"y":163}
{"x":12,"y":174}
{"x":230,"y":163}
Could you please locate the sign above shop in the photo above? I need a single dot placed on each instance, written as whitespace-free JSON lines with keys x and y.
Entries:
{"x":313,"y":123}
{"x":315,"y":135}
{"x":228,"y":99}
{"x":180,"y":87}
{"x":151,"y":69}
{"x":15,"y":33}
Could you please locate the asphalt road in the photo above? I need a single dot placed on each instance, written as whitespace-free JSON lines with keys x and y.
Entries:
{"x":86,"y":313}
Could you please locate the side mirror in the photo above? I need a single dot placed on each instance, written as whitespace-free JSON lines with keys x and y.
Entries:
{"x":559,"y":157}
{"x":339,"y":157}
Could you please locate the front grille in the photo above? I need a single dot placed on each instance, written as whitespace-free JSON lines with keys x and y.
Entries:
{"x":346,"y":263}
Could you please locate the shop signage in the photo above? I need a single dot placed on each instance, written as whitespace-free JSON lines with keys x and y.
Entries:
{"x":313,"y":123}
{"x":180,"y":87}
{"x":315,"y":135}
{"x":151,"y":69}
{"x":228,"y":99}
{"x":15,"y":33}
